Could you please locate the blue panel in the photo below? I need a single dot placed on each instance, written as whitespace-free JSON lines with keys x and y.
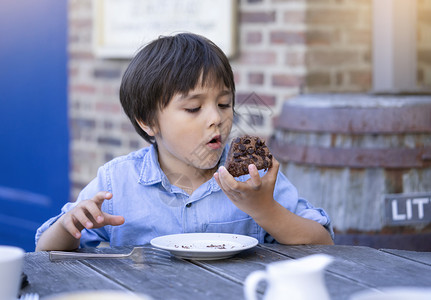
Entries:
{"x":34,"y":161}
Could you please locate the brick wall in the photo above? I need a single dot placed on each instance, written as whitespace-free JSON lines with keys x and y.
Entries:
{"x":285,"y":47}
{"x":99,"y":129}
{"x":338,"y":40}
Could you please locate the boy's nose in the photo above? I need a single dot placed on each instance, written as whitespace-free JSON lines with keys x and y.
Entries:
{"x":214,"y":117}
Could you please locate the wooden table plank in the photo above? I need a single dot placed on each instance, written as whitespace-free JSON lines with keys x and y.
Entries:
{"x":46,"y":277}
{"x":354,"y":269}
{"x":422,"y":257}
{"x":173,"y":279}
{"x":366,"y":265}
{"x":241,"y":265}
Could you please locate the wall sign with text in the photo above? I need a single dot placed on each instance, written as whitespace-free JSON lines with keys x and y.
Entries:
{"x":122,"y":27}
{"x":408,"y":209}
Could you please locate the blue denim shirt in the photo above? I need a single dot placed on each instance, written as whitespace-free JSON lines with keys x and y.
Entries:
{"x":153,"y":207}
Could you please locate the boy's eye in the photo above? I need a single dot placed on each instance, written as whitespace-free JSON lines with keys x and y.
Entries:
{"x":224,"y":105}
{"x":192,"y":110}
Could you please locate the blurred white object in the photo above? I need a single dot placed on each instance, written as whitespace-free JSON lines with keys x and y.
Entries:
{"x":11,"y":261}
{"x":398,"y":293}
{"x":98,"y":295}
{"x":301,"y":279}
{"x":29,"y":296}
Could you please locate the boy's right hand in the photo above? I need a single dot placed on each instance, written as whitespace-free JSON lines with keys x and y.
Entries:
{"x":88,"y":214}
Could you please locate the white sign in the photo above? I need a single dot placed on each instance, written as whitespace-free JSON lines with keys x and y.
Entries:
{"x":122,"y":27}
{"x":403,"y":209}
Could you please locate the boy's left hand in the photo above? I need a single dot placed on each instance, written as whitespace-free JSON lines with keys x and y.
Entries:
{"x":255,"y":196}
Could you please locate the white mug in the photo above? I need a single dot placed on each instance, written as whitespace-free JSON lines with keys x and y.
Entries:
{"x":11,"y":262}
{"x":301,"y":279}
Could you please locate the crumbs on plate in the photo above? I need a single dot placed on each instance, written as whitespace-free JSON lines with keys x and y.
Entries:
{"x":212,"y":246}
{"x":223,"y":246}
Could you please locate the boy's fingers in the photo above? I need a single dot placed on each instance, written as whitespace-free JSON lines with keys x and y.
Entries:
{"x":255,"y":179}
{"x":219,"y":182}
{"x":82,"y":219}
{"x":226,"y":179}
{"x":217,"y":179}
{"x":273,"y":171}
{"x":114,"y":220}
{"x":69,"y":223}
{"x":102,"y":196}
{"x":94,"y":211}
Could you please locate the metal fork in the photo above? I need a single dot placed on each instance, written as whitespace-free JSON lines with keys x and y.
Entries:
{"x":29,"y":296}
{"x":138,"y":255}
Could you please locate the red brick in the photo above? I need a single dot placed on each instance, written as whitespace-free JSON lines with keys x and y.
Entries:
{"x":255,"y":78}
{"x":360,"y":78}
{"x":257,"y":17}
{"x":314,"y":79}
{"x":332,"y":17}
{"x":108,"y":107}
{"x":287,"y":80}
{"x":294,"y":17}
{"x":359,"y":37}
{"x":253,"y":37}
{"x":73,"y":71}
{"x":332,"y":58}
{"x":322,"y":37}
{"x":289,"y":1}
{"x":83,"y":88}
{"x":261,"y":57}
{"x":80,"y":55}
{"x":108,"y":140}
{"x":106,"y":73}
{"x":287,"y":37}
{"x":80,"y":5}
{"x":80,"y":24}
{"x":82,"y":124}
{"x":295,"y":59}
{"x":255,"y":99}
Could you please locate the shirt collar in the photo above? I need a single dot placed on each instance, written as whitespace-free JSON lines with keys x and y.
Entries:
{"x":151,"y":173}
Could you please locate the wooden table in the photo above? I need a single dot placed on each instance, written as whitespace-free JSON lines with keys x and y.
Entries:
{"x":355,"y":269}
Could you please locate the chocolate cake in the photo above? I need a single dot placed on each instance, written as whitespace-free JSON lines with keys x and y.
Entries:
{"x":247,"y":150}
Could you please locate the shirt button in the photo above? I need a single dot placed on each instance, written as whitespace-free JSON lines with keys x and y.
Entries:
{"x":188,"y":205}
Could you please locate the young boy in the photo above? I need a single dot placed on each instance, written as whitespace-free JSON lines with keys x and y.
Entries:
{"x":179,"y":94}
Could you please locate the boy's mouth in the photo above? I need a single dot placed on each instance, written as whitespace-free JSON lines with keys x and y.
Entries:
{"x":215,"y":142}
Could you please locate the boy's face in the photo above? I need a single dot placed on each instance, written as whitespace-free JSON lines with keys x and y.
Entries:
{"x":193,"y":128}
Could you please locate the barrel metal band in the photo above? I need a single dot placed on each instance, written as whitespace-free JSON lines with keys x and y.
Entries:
{"x":352,"y":157}
{"x":356,"y":120}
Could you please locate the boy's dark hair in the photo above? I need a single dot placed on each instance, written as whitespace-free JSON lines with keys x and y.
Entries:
{"x":166,"y":66}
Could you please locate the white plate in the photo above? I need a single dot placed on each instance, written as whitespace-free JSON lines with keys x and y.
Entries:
{"x":97,"y":295}
{"x":204,"y":246}
{"x":394,"y":293}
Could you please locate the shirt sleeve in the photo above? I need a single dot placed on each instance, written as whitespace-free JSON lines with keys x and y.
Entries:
{"x":92,"y":237}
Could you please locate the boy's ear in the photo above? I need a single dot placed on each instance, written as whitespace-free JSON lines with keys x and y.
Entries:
{"x":148,"y":129}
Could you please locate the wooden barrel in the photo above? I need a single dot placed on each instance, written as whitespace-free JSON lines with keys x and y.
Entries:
{"x":345,"y":152}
